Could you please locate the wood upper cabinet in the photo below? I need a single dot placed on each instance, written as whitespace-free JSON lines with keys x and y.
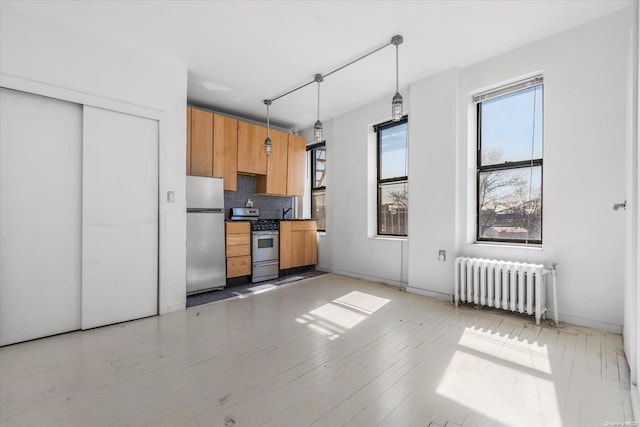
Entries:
{"x":212,"y":146}
{"x":229,"y":134}
{"x":189,"y":140}
{"x":251,"y":157}
{"x":201,"y":143}
{"x":296,"y":163}
{"x":298,"y":244}
{"x":275,"y":181}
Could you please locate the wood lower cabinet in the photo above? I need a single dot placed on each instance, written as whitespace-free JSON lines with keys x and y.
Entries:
{"x":251,"y":157}
{"x":298,"y":243}
{"x":238,"y":266}
{"x":275,"y":181}
{"x":238,"y":248}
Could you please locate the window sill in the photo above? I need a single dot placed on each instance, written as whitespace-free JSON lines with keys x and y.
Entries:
{"x":401,"y":238}
{"x":506,"y":245}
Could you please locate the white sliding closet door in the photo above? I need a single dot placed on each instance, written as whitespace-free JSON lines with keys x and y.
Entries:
{"x":40,"y":224}
{"x":119,"y":217}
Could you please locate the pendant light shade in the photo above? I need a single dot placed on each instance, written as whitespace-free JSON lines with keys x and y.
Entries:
{"x":317,"y":131}
{"x":396,"y":102}
{"x":267,"y":141}
{"x":317,"y":127}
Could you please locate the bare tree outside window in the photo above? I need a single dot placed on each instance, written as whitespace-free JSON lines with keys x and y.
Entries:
{"x":319,"y":185}
{"x":393,"y":195}
{"x":509,"y":193}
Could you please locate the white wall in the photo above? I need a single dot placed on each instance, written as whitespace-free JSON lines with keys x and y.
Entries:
{"x":349,"y":247}
{"x":36,"y":50}
{"x":632,"y":255}
{"x":585,"y":91}
{"x":432,"y":183}
{"x":584,"y":174}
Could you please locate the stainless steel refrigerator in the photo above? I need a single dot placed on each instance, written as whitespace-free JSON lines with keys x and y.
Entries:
{"x":205,"y":234}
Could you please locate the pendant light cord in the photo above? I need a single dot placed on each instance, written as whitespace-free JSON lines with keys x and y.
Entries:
{"x":318,"y":110}
{"x":397,"y":69}
{"x":267,"y":102}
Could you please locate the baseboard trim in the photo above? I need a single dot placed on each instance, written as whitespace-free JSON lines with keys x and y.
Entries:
{"x":428,"y":293}
{"x":389,"y":282}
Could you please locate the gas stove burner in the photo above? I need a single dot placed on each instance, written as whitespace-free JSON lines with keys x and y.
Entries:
{"x":265,"y":225}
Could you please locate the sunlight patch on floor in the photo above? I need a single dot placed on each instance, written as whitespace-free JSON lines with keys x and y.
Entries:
{"x":256,"y":290}
{"x":334,"y":318}
{"x":503,"y":378}
{"x":510,"y":349}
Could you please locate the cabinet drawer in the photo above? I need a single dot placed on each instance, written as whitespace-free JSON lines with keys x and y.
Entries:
{"x":238,"y":227}
{"x":303,"y":226}
{"x":238,"y":239}
{"x":238,"y":250}
{"x":238,"y":266}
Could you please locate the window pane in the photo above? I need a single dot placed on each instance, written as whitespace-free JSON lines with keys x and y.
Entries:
{"x":318,"y":207}
{"x":320,"y":161}
{"x":392,"y":217}
{"x":511,"y":128}
{"x":510,"y":204}
{"x":393,"y":152}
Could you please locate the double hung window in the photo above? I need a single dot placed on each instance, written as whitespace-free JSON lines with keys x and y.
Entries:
{"x":509,"y":163}
{"x":318,"y":183}
{"x":393,"y":191}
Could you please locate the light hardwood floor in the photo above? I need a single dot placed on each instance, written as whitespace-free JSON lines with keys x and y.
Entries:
{"x":327,"y":351}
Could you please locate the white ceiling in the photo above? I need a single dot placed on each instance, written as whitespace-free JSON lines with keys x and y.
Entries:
{"x":241,"y":52}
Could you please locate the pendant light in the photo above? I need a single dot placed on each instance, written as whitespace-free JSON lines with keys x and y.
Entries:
{"x":396,"y":103}
{"x":317,"y":128}
{"x":267,"y":141}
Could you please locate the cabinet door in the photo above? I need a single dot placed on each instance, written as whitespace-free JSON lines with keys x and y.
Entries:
{"x":285,"y":244}
{"x":296,"y":161}
{"x":298,"y":248}
{"x":310,"y":248}
{"x":238,"y":266}
{"x":251,"y":157}
{"x":218,"y":146}
{"x":201,"y":143}
{"x":189,"y":140}
{"x":275,"y":181}
{"x":230,"y":170}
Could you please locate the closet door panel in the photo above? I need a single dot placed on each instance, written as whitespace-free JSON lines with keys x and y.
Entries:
{"x":120,"y":217}
{"x":40,"y":216}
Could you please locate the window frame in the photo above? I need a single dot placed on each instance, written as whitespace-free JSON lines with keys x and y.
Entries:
{"x":312,"y":148}
{"x":506,"y":166}
{"x":380,"y":182}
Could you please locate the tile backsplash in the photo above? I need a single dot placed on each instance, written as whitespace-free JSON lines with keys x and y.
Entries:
{"x":270,"y":206}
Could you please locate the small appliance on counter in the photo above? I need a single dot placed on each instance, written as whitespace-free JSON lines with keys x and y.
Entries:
{"x":265,"y":243}
{"x":205,"y":234}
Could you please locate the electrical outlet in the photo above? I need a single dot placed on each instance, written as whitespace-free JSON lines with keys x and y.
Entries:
{"x":442,"y":255}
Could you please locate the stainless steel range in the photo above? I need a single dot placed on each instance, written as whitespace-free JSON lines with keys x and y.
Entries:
{"x":265,"y":246}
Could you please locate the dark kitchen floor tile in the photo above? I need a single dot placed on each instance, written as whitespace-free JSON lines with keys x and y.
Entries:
{"x":233,"y":291}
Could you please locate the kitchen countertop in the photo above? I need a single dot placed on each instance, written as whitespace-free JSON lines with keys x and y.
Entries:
{"x":288,"y":219}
